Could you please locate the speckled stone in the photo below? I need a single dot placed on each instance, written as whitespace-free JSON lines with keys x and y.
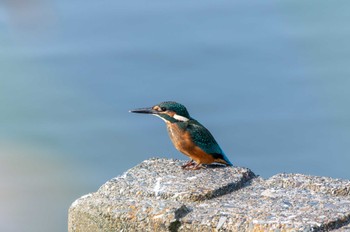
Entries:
{"x":157,"y":195}
{"x":167,"y":180}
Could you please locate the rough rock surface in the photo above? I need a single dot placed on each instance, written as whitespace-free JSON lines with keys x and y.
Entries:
{"x":157,"y":195}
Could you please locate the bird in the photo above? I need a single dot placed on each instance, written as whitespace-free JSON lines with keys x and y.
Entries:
{"x":187,"y":135}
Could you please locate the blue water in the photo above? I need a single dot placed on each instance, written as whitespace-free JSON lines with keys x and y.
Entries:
{"x":269,"y":79}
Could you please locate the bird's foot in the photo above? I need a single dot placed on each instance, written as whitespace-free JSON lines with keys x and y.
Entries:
{"x":195,"y":167}
{"x":191,"y":165}
{"x":188,"y":164}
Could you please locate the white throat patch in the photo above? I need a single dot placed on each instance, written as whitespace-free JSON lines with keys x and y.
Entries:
{"x":160,"y":117}
{"x":180,"y":118}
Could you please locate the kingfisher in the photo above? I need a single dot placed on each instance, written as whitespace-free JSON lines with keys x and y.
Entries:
{"x":188,"y":136}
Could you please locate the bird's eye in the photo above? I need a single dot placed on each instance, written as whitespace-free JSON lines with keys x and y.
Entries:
{"x":163,"y":108}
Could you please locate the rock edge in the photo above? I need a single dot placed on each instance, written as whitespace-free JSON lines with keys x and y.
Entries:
{"x":157,"y":195}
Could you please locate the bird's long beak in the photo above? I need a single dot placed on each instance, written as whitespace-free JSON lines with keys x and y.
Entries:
{"x":144,"y":111}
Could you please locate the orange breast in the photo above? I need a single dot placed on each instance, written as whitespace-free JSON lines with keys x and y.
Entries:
{"x":183,"y":142}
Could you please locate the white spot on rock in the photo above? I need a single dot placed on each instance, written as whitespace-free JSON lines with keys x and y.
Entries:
{"x":271,"y":193}
{"x":221,"y":222}
{"x":157,"y":187}
{"x":191,"y":178}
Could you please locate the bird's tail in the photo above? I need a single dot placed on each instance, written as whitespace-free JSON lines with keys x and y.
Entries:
{"x":224,"y":160}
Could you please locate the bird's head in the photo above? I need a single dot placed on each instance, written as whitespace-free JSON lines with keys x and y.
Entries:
{"x":169,"y":111}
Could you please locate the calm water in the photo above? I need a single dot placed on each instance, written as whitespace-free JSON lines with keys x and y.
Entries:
{"x":269,"y":79}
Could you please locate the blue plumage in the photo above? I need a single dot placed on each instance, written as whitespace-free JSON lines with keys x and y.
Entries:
{"x":205,"y":140}
{"x":188,"y":135}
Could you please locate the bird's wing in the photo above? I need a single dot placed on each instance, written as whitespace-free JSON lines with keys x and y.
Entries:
{"x":205,"y":140}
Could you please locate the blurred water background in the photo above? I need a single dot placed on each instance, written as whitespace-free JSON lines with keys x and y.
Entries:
{"x":270,"y":79}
